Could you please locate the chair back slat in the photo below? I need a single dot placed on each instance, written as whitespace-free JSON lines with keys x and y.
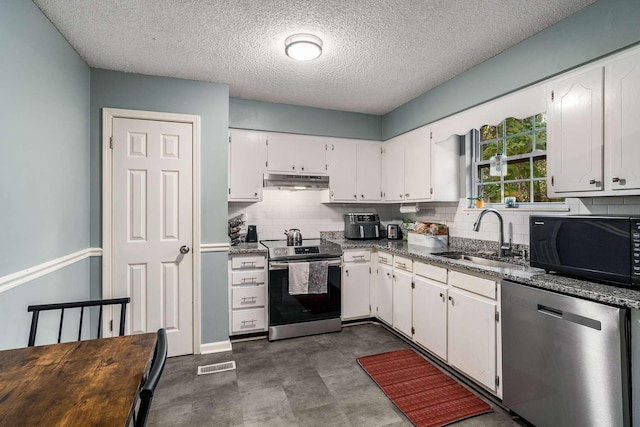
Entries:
{"x":36,"y":309}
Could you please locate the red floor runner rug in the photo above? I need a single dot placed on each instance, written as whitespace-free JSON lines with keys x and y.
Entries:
{"x":421,"y":391}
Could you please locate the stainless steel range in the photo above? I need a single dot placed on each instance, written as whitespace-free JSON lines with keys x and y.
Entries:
{"x":295,"y":313}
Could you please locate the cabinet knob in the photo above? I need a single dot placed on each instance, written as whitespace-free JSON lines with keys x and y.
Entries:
{"x":346,"y":272}
{"x":255,"y":194}
{"x":401,"y":196}
{"x":355,"y":196}
{"x":293,"y":167}
{"x":592,"y":181}
{"x":302,"y":168}
{"x":442,"y":296}
{"x":362,"y":196}
{"x":618,"y":179}
{"x":406,"y":194}
{"x":452,"y":300}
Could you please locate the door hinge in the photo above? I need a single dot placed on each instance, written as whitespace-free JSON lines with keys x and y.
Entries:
{"x":267,"y":142}
{"x":413,"y":285}
{"x":552,"y":96}
{"x":325,"y":147}
{"x":111,"y":325}
{"x":369,"y":270}
{"x":497,"y":316}
{"x":229,"y":190}
{"x":266,"y":163}
{"x":413,"y":331}
{"x":552,"y":181}
{"x":497,"y":381}
{"x":369,"y":308}
{"x":430,"y":134}
{"x":326,"y":167}
{"x":229,"y":139}
{"x":381,"y":150}
{"x":111,"y":142}
{"x":431,"y":190}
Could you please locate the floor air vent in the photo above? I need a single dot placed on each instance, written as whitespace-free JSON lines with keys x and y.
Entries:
{"x":217,"y":367}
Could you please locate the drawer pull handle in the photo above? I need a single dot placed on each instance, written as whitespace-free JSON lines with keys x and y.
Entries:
{"x":359,"y":256}
{"x":249,"y":279}
{"x":249,"y":299}
{"x":249,"y":322}
{"x":402,"y":264}
{"x":248,"y":263}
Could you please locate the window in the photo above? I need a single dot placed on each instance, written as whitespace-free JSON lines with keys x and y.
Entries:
{"x":524,"y":141}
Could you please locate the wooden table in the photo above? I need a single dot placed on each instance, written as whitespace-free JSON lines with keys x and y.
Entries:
{"x":86,"y":383}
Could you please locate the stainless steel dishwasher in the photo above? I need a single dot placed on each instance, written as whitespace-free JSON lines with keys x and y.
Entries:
{"x":565,"y":360}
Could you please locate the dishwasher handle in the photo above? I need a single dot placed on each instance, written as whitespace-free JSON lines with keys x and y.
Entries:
{"x":550,"y":311}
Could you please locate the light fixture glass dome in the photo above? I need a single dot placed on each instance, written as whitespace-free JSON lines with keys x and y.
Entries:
{"x":303,"y":47}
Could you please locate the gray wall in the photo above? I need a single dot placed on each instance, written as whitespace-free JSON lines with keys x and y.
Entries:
{"x":268,"y":116}
{"x":44,"y":165}
{"x":597,"y":30}
{"x":211,"y":102}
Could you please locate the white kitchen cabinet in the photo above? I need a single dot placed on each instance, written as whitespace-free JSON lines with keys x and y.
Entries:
{"x":393,"y":170}
{"x":247,"y":293}
{"x":368,"y":170}
{"x":247,"y":159}
{"x":575,"y":134}
{"x":384,"y":292}
{"x":296,"y":154}
{"x":342,"y":160}
{"x":417,"y":165}
{"x":472,"y":325}
{"x":402,"y":307}
{"x":430,"y":314}
{"x":622,"y":127}
{"x":356,"y":284}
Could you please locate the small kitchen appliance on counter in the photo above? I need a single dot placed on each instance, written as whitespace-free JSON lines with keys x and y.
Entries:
{"x":361,"y":226}
{"x":394,"y":232}
{"x":252,"y":234}
{"x":294,"y":237}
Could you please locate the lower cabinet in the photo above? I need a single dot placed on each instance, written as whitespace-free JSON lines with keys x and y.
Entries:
{"x":356,"y":279}
{"x":402,"y":282}
{"x":384,"y":293}
{"x":247,"y":294}
{"x":430,"y":315}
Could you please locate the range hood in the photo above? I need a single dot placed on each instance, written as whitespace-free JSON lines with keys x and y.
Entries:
{"x":295,"y":182}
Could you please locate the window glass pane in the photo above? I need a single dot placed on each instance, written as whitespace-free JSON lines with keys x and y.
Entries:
{"x":520,"y":190}
{"x":515,"y":126}
{"x":500,"y":130}
{"x":540,"y":192}
{"x":483,"y":175}
{"x":490,"y":193}
{"x":487,"y":133}
{"x":489,"y":150}
{"x":518,"y":170}
{"x":539,"y":167}
{"x":541,"y":140}
{"x":519,"y":145}
{"x":541,"y":120}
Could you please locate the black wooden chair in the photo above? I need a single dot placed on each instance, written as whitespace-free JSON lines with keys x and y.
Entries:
{"x":36,"y":309}
{"x":150,"y":383}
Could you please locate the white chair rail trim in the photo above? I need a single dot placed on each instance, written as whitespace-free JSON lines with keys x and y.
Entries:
{"x":12,"y":280}
{"x":214,"y":247}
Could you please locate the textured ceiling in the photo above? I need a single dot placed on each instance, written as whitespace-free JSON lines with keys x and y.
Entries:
{"x":377,"y":54}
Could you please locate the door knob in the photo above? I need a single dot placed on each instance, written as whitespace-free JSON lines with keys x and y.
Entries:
{"x":184,"y":249}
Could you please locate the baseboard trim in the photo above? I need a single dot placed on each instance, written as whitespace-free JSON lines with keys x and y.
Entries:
{"x":215,"y":347}
{"x":10,"y":281}
{"x":214,"y":247}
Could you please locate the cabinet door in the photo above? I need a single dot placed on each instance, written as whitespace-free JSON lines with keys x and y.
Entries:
{"x":369,"y":161}
{"x":622,"y":125}
{"x":384,"y":295}
{"x":393,"y":170}
{"x":282,"y":153}
{"x":312,"y":156}
{"x":355,"y":291}
{"x":472,"y":336}
{"x":247,"y":157}
{"x":575,"y":134}
{"x":402,"y":306}
{"x":430,"y":315}
{"x":341,"y":159}
{"x":417,"y":165}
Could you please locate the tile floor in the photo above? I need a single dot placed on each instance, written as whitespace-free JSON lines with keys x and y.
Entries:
{"x":307,"y":381}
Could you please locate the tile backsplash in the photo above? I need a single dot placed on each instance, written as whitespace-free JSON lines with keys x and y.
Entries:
{"x":280,"y":210}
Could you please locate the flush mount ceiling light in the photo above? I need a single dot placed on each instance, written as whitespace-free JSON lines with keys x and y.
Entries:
{"x":303,"y":47}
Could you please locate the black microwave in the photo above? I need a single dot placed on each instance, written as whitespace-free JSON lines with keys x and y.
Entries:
{"x":603,"y":248}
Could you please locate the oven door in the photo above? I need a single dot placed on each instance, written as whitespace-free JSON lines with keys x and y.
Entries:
{"x":287,"y":309}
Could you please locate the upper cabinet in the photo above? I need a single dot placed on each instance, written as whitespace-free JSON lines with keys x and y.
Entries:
{"x":393,"y":170}
{"x":594,"y":130}
{"x":247,"y":154}
{"x":575,"y":113}
{"x":296,"y":154}
{"x":354,"y":170}
{"x":417,"y":165}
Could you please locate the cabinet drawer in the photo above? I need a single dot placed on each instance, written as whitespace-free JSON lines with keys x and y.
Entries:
{"x":430,"y":271}
{"x":247,"y":261}
{"x":247,"y":320}
{"x":242,"y":277}
{"x":248,"y":296}
{"x":385,"y":258}
{"x":477,"y":285}
{"x":357,"y":256}
{"x":402,"y":263}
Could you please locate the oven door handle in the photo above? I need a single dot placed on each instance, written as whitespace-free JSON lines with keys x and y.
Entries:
{"x":285,"y":265}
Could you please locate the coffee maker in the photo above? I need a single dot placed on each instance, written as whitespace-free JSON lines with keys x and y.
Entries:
{"x":252,"y":234}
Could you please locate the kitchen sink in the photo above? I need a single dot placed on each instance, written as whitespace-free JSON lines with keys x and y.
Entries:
{"x":486,"y":262}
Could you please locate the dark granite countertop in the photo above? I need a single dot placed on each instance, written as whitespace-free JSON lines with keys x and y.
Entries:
{"x":247,"y":248}
{"x":520,"y":272}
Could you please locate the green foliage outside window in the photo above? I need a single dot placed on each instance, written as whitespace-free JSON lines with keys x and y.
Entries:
{"x":524,"y":141}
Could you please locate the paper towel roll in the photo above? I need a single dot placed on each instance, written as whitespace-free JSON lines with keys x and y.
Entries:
{"x":409,"y":209}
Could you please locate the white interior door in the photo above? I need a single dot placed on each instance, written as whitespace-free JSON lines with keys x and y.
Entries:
{"x":152,"y":227}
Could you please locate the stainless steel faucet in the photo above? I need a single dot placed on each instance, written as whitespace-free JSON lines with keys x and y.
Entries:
{"x":502,"y":247}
